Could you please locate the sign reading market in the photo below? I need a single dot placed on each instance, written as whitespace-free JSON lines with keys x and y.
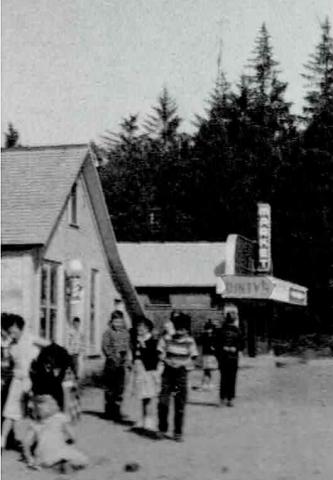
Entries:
{"x":264,"y":238}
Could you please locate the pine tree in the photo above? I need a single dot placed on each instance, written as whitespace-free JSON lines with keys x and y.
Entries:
{"x":269,"y":110}
{"x":163,"y":124}
{"x":319,"y":75}
{"x":318,"y":110}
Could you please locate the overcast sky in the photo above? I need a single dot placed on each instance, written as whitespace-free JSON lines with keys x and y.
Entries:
{"x":72,"y":69}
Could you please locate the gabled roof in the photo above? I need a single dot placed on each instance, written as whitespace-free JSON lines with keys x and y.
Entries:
{"x":35,"y":183}
{"x":172,"y":264}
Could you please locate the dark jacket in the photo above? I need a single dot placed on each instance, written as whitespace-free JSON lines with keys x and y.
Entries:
{"x":147,"y":353}
{"x":208,"y":343}
{"x":229,"y":341}
{"x":48,"y":372}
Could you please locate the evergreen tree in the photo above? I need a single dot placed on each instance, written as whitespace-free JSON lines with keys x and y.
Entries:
{"x":11,"y":137}
{"x":126,"y":180}
{"x":317,"y":174}
{"x":163,"y":124}
{"x":318,"y":110}
{"x":127,"y":135}
{"x":269,"y":109}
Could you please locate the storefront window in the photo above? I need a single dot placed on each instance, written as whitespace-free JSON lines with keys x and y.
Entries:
{"x":48,"y":300}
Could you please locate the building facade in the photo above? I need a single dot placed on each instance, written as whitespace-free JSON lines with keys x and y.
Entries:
{"x":59,"y":252}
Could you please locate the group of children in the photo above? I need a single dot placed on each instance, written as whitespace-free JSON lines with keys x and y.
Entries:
{"x":160,"y":366}
{"x":32,"y":385}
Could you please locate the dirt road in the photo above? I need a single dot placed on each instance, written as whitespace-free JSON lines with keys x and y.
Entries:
{"x":281,"y":428}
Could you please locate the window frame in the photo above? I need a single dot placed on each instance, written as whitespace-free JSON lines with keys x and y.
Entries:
{"x":49,"y":300}
{"x":73,"y":207}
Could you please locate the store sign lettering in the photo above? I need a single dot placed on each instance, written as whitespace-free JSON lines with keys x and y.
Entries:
{"x":245,"y":287}
{"x":264,"y":238}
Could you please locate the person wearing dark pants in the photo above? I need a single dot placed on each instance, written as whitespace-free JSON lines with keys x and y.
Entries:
{"x":177,"y":351}
{"x":114,"y":388}
{"x":229,"y":367}
{"x":173,"y":381}
{"x":116,"y":348}
{"x":229,"y":343}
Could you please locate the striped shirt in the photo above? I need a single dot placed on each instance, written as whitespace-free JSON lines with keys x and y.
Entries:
{"x":177,"y":351}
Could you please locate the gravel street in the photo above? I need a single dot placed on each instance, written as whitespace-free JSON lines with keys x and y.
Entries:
{"x":281,"y":428}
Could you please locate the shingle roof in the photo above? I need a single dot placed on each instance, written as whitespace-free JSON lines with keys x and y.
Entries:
{"x":172,"y":264}
{"x":35,"y":183}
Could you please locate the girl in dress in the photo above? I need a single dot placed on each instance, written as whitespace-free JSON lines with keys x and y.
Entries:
{"x":23,"y":350}
{"x":209,"y":361}
{"x":146,"y":375}
{"x":50,"y":435}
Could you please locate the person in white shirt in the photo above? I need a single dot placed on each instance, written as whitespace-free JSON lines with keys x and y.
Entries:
{"x":23,"y":350}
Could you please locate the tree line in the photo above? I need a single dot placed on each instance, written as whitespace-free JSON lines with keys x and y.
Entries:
{"x":162,"y":184}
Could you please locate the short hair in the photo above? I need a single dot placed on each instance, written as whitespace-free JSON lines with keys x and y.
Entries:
{"x":6,"y":321}
{"x":145,"y":321}
{"x":10,"y":319}
{"x":181,"y":320}
{"x":116,"y":314}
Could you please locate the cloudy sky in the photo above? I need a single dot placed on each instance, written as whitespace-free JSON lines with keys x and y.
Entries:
{"x":72,"y":69}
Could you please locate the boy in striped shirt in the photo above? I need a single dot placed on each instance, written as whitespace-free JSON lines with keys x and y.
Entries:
{"x":177,"y":352}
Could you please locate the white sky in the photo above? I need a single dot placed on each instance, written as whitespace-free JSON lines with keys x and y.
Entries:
{"x":71,"y":69}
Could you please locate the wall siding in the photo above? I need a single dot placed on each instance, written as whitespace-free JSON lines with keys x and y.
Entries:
{"x":18,"y":289}
{"x":83,"y":243}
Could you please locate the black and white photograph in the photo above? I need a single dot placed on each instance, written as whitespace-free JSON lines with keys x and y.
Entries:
{"x":167,"y":239}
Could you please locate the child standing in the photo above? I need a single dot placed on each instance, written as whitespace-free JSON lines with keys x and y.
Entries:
{"x":177,"y":353}
{"x":209,"y":361}
{"x":229,"y":343}
{"x":75,"y":346}
{"x":51,"y":433}
{"x":116,"y":348}
{"x":7,"y":363}
{"x":23,"y":350}
{"x":146,"y":359}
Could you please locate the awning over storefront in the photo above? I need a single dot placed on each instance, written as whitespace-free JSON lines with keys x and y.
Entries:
{"x":262,"y":287}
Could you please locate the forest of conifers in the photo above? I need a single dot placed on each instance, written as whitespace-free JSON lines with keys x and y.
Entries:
{"x":162,"y":184}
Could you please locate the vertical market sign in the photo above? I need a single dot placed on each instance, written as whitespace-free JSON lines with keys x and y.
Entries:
{"x":264,"y":238}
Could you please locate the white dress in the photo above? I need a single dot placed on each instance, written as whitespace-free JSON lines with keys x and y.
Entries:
{"x":23,"y":352}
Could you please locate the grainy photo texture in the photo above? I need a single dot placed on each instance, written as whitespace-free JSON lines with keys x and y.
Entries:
{"x":167,"y":240}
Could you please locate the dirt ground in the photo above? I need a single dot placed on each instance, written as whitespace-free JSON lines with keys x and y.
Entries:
{"x":281,"y":428}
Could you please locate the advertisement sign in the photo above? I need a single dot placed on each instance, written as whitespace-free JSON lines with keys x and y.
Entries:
{"x":261,"y":287}
{"x":239,"y":255}
{"x":288,"y":292}
{"x":236,"y":286}
{"x":264,"y":238}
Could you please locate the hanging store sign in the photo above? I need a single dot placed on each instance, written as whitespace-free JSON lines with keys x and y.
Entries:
{"x":264,"y":238}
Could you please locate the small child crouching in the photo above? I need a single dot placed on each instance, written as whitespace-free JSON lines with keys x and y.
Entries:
{"x":49,"y":437}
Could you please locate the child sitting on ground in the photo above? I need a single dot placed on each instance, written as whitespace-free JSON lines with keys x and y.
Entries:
{"x":49,"y":437}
